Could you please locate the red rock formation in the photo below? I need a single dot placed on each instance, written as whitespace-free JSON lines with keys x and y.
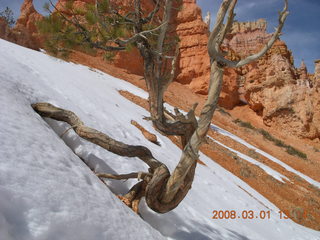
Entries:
{"x":246,"y":37}
{"x":194,"y":64}
{"x":281,"y":94}
{"x":25,"y":32}
{"x":229,"y":96}
{"x":303,"y":72}
{"x":26,"y":24}
{"x":28,"y":17}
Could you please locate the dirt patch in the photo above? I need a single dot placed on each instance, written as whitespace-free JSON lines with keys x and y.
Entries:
{"x":149,"y":136}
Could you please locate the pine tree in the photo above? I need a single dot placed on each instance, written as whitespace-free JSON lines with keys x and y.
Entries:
{"x":7,"y":15}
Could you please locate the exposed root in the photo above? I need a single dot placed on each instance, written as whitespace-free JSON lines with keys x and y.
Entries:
{"x":154,"y":183}
{"x":133,"y":197}
{"x":138,"y":175}
{"x":96,"y":137}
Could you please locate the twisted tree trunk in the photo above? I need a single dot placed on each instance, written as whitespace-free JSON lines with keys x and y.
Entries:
{"x":164,"y":191}
{"x":152,"y":184}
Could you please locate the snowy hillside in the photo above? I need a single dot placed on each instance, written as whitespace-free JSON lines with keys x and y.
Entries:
{"x":47,"y":192}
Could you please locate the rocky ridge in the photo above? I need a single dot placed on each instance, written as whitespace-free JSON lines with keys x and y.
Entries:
{"x":24,"y":32}
{"x":285,"y":97}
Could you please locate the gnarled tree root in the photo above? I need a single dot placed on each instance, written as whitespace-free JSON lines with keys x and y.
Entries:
{"x":153,"y":183}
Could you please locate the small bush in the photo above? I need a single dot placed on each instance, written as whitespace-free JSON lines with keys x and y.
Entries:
{"x":246,"y":172}
{"x":244,"y":124}
{"x":289,"y":149}
{"x":252,"y":153}
{"x":298,"y":214}
{"x":223,"y":111}
{"x":315,"y":189}
{"x":7,"y":15}
{"x":293,"y":151}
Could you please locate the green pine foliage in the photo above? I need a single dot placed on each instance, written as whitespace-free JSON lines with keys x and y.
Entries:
{"x":7,"y":15}
{"x":62,"y":34}
{"x":59,"y":36}
{"x":83,"y":29}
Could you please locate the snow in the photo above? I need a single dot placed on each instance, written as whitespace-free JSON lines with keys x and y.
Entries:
{"x":245,"y":143}
{"x":267,"y":169}
{"x":264,"y":167}
{"x":47,"y":192}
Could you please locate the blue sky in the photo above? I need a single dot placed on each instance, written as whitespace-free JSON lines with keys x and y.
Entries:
{"x":301,"y":31}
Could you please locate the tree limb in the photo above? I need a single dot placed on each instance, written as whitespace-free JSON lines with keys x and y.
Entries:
{"x":229,"y":22}
{"x":138,"y":175}
{"x":136,"y":36}
{"x":94,"y":136}
{"x":152,"y":13}
{"x":153,"y":182}
{"x":215,"y":53}
{"x":213,"y":38}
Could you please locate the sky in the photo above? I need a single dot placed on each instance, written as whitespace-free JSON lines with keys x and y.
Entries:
{"x":301,"y":31}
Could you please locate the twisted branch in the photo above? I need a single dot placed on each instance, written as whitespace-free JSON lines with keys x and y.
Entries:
{"x":152,"y":183}
{"x":215,"y":41}
{"x":94,"y":136}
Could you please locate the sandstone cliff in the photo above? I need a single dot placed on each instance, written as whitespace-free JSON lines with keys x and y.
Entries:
{"x":285,"y":97}
{"x":194,"y":63}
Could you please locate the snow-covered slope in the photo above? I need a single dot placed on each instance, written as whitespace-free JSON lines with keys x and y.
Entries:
{"x":47,"y":192}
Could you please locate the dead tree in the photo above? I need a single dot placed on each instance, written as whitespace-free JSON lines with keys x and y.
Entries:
{"x":162,"y":190}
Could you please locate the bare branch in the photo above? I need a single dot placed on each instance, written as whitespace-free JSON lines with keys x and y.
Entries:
{"x":136,"y":36}
{"x":282,"y":17}
{"x":214,"y":51}
{"x":152,"y":14}
{"x":229,"y":22}
{"x":138,"y":175}
{"x":213,"y":38}
{"x":125,"y":17}
{"x":94,"y":136}
{"x":137,"y":9}
{"x":173,"y":70}
{"x":164,"y":25}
